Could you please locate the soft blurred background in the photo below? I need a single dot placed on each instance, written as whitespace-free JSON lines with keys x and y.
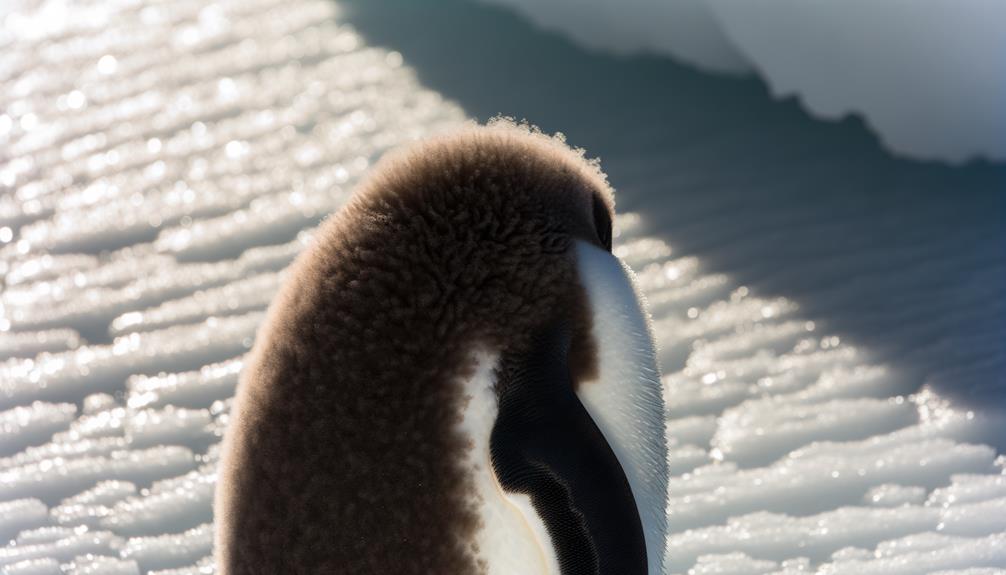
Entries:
{"x":812,"y":196}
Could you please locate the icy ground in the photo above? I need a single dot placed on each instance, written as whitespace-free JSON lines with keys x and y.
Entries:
{"x":162,"y":162}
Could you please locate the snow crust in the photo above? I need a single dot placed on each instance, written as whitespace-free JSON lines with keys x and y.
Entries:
{"x":165,"y":162}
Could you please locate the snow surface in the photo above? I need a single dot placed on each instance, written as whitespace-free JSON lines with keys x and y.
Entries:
{"x":926,"y":75}
{"x":163,"y":162}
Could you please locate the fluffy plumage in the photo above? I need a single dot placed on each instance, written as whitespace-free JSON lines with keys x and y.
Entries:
{"x":344,"y":455}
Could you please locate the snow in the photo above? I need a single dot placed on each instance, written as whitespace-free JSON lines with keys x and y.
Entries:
{"x":43,"y":535}
{"x":686,"y":29}
{"x":20,"y":514}
{"x":170,"y":505}
{"x":29,"y":344}
{"x":52,"y":479}
{"x":46,"y":566}
{"x":970,"y":489}
{"x":82,"y":542}
{"x":92,"y":506}
{"x":101,"y":565}
{"x":958,"y":554}
{"x":894,"y":495}
{"x":248,"y":294}
{"x":920,"y":72}
{"x":166,"y":551}
{"x":187,"y":389}
{"x":731,"y":564}
{"x":23,"y":426}
{"x":164,"y":164}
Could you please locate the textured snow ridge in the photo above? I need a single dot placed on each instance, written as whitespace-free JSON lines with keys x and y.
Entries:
{"x":163,"y":163}
{"x":920,"y":72}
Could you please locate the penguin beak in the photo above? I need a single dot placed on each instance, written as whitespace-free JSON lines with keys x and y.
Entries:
{"x":545,"y":444}
{"x":591,"y":456}
{"x":625,"y":400}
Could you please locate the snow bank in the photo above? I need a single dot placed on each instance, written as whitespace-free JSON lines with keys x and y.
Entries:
{"x":921,"y":73}
{"x":687,"y":30}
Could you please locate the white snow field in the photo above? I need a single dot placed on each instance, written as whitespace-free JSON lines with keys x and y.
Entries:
{"x":162,"y":161}
{"x":925,"y":74}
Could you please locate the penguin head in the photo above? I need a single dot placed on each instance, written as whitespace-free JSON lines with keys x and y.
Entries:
{"x":483,"y":223}
{"x":503,"y":237}
{"x":457,"y":376}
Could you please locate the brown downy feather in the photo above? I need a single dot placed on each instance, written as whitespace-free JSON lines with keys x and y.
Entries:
{"x":343,"y":454}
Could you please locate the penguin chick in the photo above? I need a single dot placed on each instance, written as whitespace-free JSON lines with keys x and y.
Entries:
{"x":456,"y":377}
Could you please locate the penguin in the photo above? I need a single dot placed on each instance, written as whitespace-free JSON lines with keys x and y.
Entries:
{"x":457,"y":376}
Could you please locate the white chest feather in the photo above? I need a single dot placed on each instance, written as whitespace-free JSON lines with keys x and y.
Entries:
{"x":624,"y":402}
{"x":512,"y":537}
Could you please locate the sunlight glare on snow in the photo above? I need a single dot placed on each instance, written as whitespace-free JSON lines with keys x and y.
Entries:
{"x":166,"y":162}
